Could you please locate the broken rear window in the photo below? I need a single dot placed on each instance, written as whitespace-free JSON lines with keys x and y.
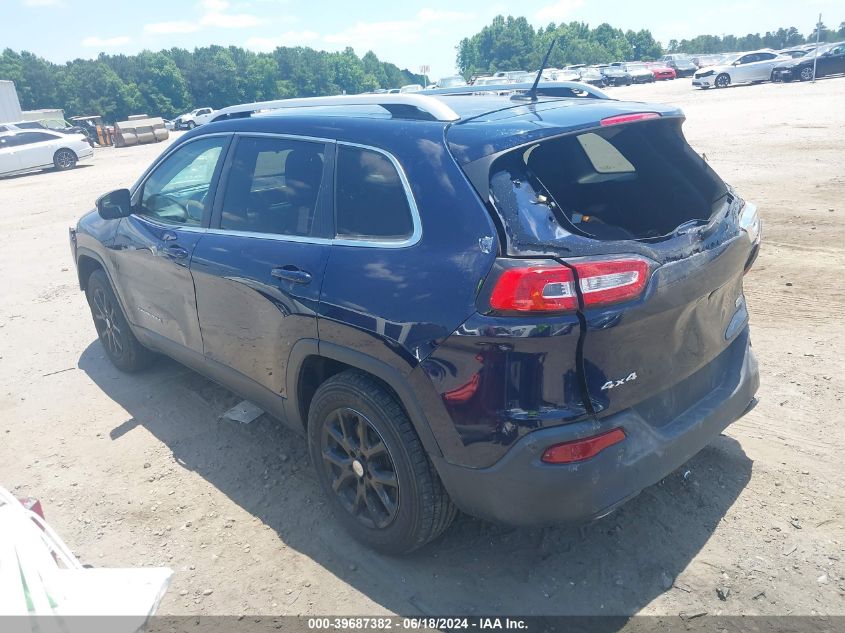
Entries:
{"x":635,"y":181}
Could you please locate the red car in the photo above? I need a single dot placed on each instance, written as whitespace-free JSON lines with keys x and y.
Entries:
{"x":661,"y":70}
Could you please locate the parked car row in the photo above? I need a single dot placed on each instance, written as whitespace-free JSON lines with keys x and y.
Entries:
{"x":828,"y":60}
{"x":769,"y":65}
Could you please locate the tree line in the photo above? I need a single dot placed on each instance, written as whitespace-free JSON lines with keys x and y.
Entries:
{"x":781,"y":38}
{"x":170,"y":82}
{"x":510,"y":43}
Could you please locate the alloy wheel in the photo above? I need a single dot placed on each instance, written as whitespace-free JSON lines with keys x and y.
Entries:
{"x":723,"y":81}
{"x":108,"y":329}
{"x":806,"y":73}
{"x":359,"y":468}
{"x":65,"y":159}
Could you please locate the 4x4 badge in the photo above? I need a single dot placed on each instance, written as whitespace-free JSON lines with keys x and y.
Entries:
{"x":610,"y":384}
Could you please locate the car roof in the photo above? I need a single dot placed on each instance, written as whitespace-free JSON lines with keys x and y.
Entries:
{"x":482,"y":124}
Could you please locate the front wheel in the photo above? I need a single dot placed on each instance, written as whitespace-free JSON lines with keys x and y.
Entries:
{"x":122,"y":348}
{"x":64,"y":159}
{"x":723,"y":81}
{"x":372,"y":466}
{"x":191,"y":125}
{"x":806,"y":73}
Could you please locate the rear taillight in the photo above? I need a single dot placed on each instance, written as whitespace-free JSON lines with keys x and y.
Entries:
{"x":629,"y":118}
{"x":579,"y":450}
{"x":551,"y":287}
{"x":535,"y":289}
{"x":607,"y":282}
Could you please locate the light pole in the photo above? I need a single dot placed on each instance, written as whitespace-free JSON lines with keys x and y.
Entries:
{"x":816,"y":56}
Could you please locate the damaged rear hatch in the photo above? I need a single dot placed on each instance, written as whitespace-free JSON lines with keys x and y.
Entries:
{"x":655,"y":243}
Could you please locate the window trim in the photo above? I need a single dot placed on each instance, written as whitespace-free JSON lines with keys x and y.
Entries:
{"x":220,"y":175}
{"x":331,"y":163}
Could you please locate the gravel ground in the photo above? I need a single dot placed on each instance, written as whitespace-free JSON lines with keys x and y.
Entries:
{"x":140,"y":470}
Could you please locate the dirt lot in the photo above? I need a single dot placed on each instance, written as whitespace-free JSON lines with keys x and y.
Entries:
{"x":140,"y":470}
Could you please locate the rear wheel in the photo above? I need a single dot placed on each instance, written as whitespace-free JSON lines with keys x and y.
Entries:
{"x":806,"y":73}
{"x":122,"y":348}
{"x":372,"y":466}
{"x":723,"y":81}
{"x":64,"y":158}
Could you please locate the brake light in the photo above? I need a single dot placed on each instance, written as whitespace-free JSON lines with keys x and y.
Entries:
{"x":535,"y":289}
{"x":607,"y":282}
{"x":629,"y":118}
{"x":582,"y":449}
{"x":551,"y":287}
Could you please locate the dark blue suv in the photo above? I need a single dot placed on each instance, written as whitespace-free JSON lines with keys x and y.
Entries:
{"x":528,"y":309}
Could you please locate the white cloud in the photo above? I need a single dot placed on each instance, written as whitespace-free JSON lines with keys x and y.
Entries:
{"x":558,"y":11}
{"x":230,"y":20}
{"x":214,"y":6}
{"x":171,"y":27}
{"x":213,"y":14}
{"x":289,"y":38}
{"x":364,"y":36}
{"x":106,"y":42}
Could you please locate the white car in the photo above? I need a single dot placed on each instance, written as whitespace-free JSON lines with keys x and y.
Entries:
{"x":30,"y":150}
{"x":194,"y":118}
{"x":410,"y":88}
{"x":752,"y":67}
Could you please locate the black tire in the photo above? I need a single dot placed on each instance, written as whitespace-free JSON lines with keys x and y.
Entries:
{"x":722,"y":81}
{"x":120,"y":344}
{"x":373,"y":468}
{"x":191,"y":125}
{"x":806,"y":73}
{"x":64,"y":159}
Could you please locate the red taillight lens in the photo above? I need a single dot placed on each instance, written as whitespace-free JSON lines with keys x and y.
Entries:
{"x":613,"y":281}
{"x":629,"y":118}
{"x":551,"y":288}
{"x":579,"y":450}
{"x":535,"y":289}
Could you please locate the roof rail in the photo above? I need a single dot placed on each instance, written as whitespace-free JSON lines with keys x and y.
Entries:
{"x":544,"y":89}
{"x":401,"y":106}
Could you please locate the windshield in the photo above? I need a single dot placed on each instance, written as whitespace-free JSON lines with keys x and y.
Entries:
{"x":821,"y":51}
{"x":451,"y":82}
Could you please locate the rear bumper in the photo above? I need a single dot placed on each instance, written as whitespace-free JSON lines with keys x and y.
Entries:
{"x":521,"y":490}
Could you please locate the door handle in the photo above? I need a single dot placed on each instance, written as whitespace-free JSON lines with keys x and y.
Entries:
{"x":292,"y":274}
{"x":174,"y":251}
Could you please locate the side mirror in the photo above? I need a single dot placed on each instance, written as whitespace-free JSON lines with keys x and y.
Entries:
{"x":736,"y":63}
{"x":115,"y":204}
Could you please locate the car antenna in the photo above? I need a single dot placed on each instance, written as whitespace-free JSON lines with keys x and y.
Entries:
{"x":532,"y":94}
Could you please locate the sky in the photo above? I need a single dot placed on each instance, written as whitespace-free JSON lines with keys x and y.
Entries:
{"x":408,"y":34}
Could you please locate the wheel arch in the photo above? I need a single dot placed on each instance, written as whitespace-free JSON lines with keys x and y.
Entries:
{"x":312,"y":362}
{"x":86,"y":263}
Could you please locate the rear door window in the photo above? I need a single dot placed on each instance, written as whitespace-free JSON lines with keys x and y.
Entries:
{"x":274,"y":187}
{"x":371,"y":201}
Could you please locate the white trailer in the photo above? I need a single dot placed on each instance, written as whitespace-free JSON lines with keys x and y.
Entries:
{"x":10,"y":106}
